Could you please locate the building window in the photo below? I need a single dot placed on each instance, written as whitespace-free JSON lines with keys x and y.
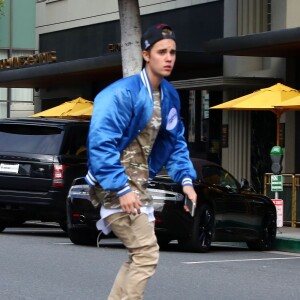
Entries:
{"x":16,"y":102}
{"x":192,"y":116}
{"x":269,"y":19}
{"x":3,"y":91}
{"x":254,"y":16}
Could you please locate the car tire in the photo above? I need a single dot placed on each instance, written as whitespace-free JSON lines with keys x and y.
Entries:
{"x":80,"y":236}
{"x":63,"y":225}
{"x":83,"y":236}
{"x":163,"y":242}
{"x":268,"y":234}
{"x":202,"y":231}
{"x":12,"y":223}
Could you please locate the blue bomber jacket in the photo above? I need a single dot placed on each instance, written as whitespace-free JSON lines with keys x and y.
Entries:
{"x":121,"y":111}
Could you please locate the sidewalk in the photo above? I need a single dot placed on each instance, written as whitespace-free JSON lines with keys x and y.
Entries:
{"x":288,"y":239}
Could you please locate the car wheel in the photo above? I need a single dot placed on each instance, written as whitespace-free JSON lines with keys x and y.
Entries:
{"x":63,"y":225}
{"x":163,"y":242}
{"x":80,"y":236}
{"x":202,"y":231}
{"x":83,"y":236}
{"x":12,"y":223}
{"x":268,"y":234}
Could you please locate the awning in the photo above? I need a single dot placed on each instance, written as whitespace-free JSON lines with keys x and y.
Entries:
{"x":87,"y":70}
{"x":224,"y":82}
{"x":278,"y":43}
{"x":62,"y":73}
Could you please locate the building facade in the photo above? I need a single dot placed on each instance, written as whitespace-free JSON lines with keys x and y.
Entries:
{"x":86,"y":35}
{"x":261,"y":40}
{"x":17,"y":39}
{"x":225,"y":49}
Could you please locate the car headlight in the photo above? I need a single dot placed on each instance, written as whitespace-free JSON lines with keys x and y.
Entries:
{"x":160,"y":196}
{"x":79,"y":191}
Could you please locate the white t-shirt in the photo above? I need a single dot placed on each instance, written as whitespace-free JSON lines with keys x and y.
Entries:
{"x":105,"y":212}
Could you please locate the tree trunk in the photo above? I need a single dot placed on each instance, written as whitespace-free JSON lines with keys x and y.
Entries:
{"x":130,"y":22}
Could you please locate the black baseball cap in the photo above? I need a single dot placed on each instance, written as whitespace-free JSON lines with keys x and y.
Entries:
{"x":156,"y":33}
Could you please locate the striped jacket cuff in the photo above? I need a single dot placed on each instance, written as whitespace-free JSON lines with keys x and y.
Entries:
{"x":187,"y":181}
{"x":126,"y":189}
{"x":90,"y":179}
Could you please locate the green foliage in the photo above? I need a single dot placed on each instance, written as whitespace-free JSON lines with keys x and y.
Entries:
{"x":1,"y":7}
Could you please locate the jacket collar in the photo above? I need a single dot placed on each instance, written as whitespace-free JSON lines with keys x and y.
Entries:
{"x":147,"y":84}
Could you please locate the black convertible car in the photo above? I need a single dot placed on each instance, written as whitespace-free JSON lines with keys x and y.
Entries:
{"x":226,"y":211}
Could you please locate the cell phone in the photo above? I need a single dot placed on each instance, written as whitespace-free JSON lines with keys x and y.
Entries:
{"x":190,"y":205}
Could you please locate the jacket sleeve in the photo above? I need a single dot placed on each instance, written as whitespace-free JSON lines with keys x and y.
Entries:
{"x":112,"y":113}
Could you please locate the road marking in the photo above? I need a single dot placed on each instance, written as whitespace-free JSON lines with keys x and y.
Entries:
{"x":63,"y":243}
{"x":101,"y":244}
{"x":285,"y":253}
{"x":238,"y":260}
{"x":30,"y":230}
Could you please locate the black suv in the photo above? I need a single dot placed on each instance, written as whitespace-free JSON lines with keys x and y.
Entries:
{"x":39,"y":158}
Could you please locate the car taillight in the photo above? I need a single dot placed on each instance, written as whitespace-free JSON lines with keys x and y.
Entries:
{"x":58,"y":175}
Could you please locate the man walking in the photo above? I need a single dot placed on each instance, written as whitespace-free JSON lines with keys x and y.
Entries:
{"x":135,"y":131}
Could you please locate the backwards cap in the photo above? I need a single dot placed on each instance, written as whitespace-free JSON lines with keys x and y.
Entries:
{"x":156,"y":33}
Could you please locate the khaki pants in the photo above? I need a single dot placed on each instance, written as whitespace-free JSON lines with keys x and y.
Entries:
{"x":137,"y":235}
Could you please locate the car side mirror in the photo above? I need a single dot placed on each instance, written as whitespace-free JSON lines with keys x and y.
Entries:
{"x":245,"y":186}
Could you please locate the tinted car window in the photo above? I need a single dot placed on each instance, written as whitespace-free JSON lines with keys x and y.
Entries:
{"x":43,"y":139}
{"x":218,"y":176}
{"x":75,"y":144}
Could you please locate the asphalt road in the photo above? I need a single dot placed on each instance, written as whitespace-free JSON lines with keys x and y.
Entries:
{"x":42,"y":264}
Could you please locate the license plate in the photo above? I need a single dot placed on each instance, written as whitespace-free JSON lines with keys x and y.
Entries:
{"x":9,"y":168}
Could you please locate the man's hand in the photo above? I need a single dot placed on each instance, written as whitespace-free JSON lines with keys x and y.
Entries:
{"x":191,"y":194}
{"x":130,"y":203}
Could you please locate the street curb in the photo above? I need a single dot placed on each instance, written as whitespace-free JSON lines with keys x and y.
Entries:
{"x":287,"y":244}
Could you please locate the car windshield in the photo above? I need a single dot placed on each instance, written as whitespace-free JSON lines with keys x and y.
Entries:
{"x":218,"y":176}
{"x":30,"y":139}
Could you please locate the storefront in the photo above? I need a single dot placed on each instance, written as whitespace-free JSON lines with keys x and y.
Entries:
{"x":88,"y":59}
{"x":282,"y":45}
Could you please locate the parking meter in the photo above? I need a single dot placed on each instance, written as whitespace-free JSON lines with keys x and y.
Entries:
{"x":276,"y":158}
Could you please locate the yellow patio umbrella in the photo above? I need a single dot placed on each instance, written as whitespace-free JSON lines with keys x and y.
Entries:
{"x":292,"y":104}
{"x":271,"y":98}
{"x":78,"y":108}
